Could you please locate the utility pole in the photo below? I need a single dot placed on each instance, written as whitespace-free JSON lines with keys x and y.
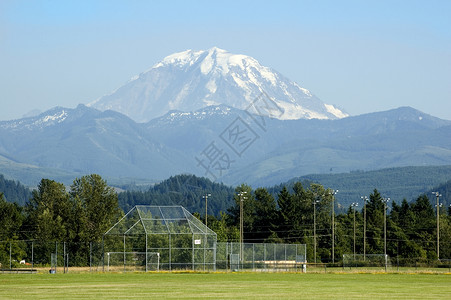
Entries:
{"x":206,"y":208}
{"x":354,"y":205}
{"x":365,"y":199}
{"x":242,"y":197}
{"x":385,"y":200}
{"x":333,"y":225}
{"x":314,"y":226}
{"x":438,"y":205}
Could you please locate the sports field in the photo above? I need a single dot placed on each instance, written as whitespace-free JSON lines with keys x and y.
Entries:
{"x":224,"y":285}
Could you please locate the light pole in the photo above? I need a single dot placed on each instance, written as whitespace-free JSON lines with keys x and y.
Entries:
{"x":365,"y":199}
{"x":242,"y":197}
{"x":314,"y":226}
{"x":333,"y":224}
{"x":206,"y":207}
{"x":354,"y":205}
{"x":438,"y":205}
{"x":385,"y":200}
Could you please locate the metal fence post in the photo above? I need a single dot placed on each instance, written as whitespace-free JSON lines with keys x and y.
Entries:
{"x":192,"y":258}
{"x":56,"y":255}
{"x":32,"y":254}
{"x":214,"y":256}
{"x":253,"y":256}
{"x":10,"y":265}
{"x":124,"y":253}
{"x":64,"y":257}
{"x":103,"y":253}
{"x":90,"y":256}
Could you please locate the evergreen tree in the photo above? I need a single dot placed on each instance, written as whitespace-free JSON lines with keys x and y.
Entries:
{"x":265,"y":215}
{"x":423,"y":230}
{"x":375,"y":224}
{"x":11,"y":219}
{"x":49,"y":211}
{"x":303,"y":210}
{"x":287,"y":212}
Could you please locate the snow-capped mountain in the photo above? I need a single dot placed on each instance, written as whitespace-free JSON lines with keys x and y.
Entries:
{"x":51,"y":117}
{"x":190,"y":80}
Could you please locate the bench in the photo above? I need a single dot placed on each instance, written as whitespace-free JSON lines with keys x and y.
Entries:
{"x":17,"y":271}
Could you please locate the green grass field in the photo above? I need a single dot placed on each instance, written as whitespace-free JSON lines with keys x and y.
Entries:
{"x":224,"y":285}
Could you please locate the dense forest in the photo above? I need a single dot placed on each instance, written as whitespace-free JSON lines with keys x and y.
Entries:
{"x":14,"y":191}
{"x":304,"y":215}
{"x":397,"y":183}
{"x":53,"y":214}
{"x":185,"y":190}
{"x":301,"y":212}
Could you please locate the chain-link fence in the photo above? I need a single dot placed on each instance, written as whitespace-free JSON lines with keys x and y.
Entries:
{"x":261,"y":257}
{"x":94,"y":256}
{"x":23,"y":256}
{"x":62,"y":257}
{"x":160,"y":237}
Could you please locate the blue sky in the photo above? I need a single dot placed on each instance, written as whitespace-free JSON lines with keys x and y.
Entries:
{"x":363,"y":56}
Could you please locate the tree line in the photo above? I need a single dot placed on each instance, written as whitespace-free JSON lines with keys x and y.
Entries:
{"x":304,"y":213}
{"x":80,"y":215}
{"x":14,"y":191}
{"x":185,"y":190}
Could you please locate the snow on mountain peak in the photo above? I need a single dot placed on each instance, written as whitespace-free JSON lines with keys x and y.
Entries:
{"x":49,"y":118}
{"x":191,"y":80}
{"x":180,"y":59}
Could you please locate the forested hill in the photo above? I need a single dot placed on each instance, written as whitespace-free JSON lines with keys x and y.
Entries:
{"x":185,"y":190}
{"x":14,"y":191}
{"x":445,"y":191}
{"x":188,"y":190}
{"x":397,"y":183}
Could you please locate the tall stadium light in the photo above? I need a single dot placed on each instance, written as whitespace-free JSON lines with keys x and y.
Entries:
{"x":365,"y":199}
{"x":333,"y":224}
{"x":354,"y":205}
{"x":314,"y":226}
{"x":385,"y":200}
{"x":206,"y":207}
{"x":438,"y":205}
{"x":242,"y":198}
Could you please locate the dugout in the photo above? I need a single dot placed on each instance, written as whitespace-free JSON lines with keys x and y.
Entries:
{"x":156,"y":238}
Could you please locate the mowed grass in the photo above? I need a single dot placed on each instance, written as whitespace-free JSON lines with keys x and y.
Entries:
{"x":224,"y":286}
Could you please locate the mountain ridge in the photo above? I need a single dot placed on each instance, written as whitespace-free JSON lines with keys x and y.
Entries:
{"x":85,"y":140}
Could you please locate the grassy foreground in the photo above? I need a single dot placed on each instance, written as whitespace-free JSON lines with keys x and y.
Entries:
{"x":224,"y":285}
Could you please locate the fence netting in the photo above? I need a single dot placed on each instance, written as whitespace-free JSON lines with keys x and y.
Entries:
{"x":54,"y":255}
{"x":260,"y":256}
{"x":65,"y":257}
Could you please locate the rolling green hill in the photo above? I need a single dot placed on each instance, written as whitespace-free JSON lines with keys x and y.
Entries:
{"x":396,"y":183}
